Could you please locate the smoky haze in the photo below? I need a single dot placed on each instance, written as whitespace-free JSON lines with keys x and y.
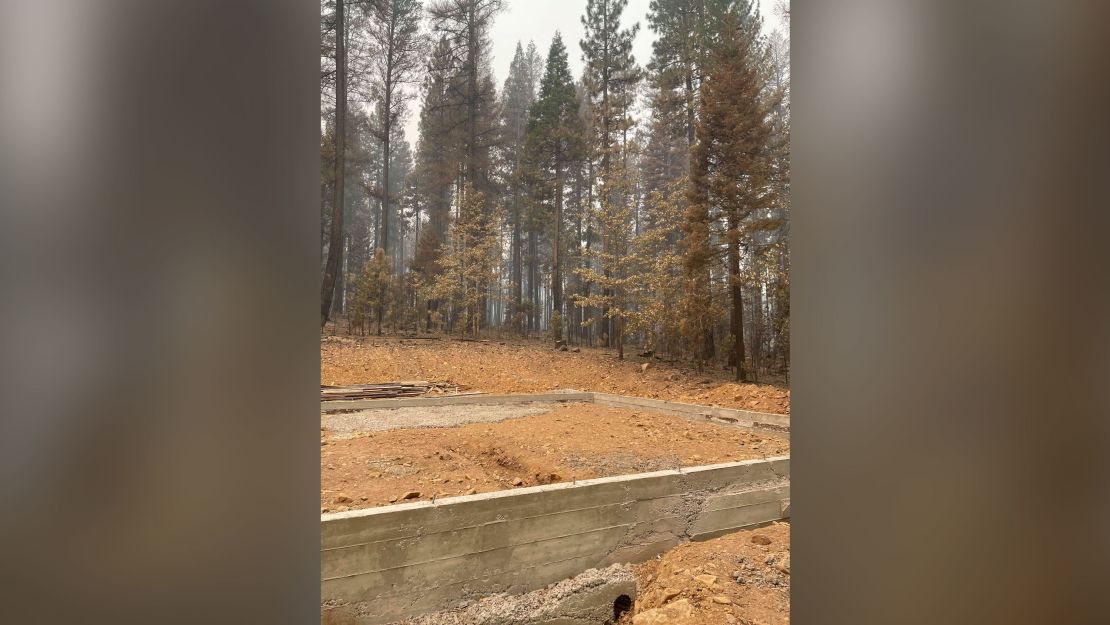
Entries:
{"x":538,"y":20}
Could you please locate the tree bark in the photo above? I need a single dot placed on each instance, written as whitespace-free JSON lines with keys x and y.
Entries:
{"x":556,"y":277}
{"x":335,"y":246}
{"x":737,"y":321}
{"x":533,"y":283}
{"x":518,"y":278}
{"x":383,"y":240}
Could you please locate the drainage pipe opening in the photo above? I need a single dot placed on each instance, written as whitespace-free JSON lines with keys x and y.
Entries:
{"x":621,"y":606}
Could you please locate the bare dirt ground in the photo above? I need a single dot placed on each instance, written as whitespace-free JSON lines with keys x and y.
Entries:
{"x":739,"y":579}
{"x":530,"y":366}
{"x":574,"y":441}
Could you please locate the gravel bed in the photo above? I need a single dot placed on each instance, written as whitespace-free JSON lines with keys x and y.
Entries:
{"x":348,"y":424}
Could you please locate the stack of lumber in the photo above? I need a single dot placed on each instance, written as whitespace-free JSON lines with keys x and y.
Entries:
{"x":383,"y":390}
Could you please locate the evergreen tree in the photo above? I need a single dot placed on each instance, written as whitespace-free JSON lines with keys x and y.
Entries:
{"x":468,"y":264}
{"x":667,"y":230}
{"x":400,"y":164}
{"x":517,"y":98}
{"x":685,"y":31}
{"x":735,"y":150}
{"x":464,"y":28}
{"x":333,"y":265}
{"x":437,"y":156}
{"x":372,"y":294}
{"x":611,"y":74}
{"x":393,"y":29}
{"x":552,"y":145}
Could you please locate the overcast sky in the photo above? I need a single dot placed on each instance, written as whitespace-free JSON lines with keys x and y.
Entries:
{"x":537,"y":20}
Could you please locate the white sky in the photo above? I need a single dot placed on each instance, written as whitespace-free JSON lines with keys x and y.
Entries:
{"x":537,"y":20}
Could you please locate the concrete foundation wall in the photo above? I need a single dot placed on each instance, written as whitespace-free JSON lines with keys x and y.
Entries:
{"x":727,"y":416}
{"x":385,"y":564}
{"x":454,"y":400}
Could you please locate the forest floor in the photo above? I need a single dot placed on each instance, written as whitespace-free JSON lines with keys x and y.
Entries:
{"x":364,"y":465}
{"x":531,"y":366}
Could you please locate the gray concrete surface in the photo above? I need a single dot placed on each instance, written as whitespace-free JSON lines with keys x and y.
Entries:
{"x":455,"y":400}
{"x":759,"y":422}
{"x":450,"y":415}
{"x":763,"y":422}
{"x":386,"y":564}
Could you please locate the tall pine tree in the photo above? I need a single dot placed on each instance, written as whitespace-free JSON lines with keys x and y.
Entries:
{"x":611,"y":74}
{"x":516,"y":100}
{"x":552,"y":146}
{"x":734,"y":164}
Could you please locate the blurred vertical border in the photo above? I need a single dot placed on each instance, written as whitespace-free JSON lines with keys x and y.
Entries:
{"x":159,"y":176}
{"x":951,"y":299}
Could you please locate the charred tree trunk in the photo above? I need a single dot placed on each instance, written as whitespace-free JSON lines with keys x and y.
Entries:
{"x":335,"y":246}
{"x":533,"y":283}
{"x":757,"y":331}
{"x":737,"y":317}
{"x":383,"y":240}
{"x":518,"y":286}
{"x":556,"y":277}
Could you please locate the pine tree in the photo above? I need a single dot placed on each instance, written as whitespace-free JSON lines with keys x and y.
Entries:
{"x":393,"y":27}
{"x":779,"y":250}
{"x":468,"y":265}
{"x":611,"y":74}
{"x":552,"y":145}
{"x":685,"y":31}
{"x":333,"y":264}
{"x":360,"y":192}
{"x":652,"y":294}
{"x":400,"y":164}
{"x":517,"y":97}
{"x":618,"y":278}
{"x":373,"y":293}
{"x":734,"y":150}
{"x":464,"y":26}
{"x":437,"y":156}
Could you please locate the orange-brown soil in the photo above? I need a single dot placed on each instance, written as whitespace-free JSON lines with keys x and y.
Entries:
{"x":529,"y":366}
{"x":739,"y":579}
{"x":575,"y":441}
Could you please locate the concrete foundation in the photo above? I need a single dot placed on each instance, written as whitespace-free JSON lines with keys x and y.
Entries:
{"x":385,"y":564}
{"x":762,"y":422}
{"x":593,"y":597}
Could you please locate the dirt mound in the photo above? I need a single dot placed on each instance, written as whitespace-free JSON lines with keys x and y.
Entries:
{"x":738,"y":579}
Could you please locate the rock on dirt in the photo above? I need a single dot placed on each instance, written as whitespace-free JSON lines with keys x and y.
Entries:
{"x":678,"y":613}
{"x":724,"y":581}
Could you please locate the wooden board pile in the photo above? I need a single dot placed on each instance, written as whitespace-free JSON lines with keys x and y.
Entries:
{"x":383,"y":390}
